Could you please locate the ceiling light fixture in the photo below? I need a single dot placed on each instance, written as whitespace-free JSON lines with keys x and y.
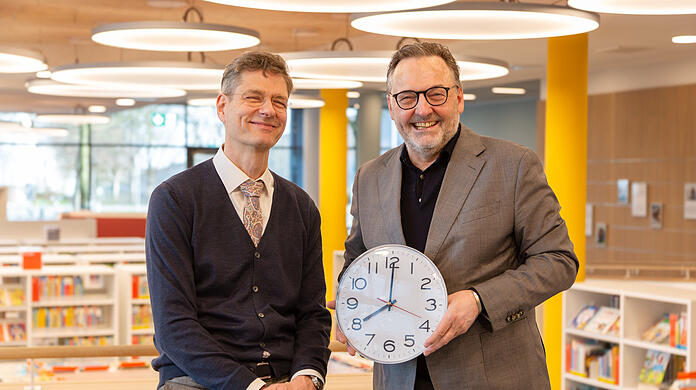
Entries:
{"x":333,"y":5}
{"x":125,"y":102}
{"x":480,"y":20}
{"x":73,"y":119}
{"x":53,"y":88}
{"x":96,"y":109}
{"x":179,"y":75}
{"x":469,"y":96}
{"x":371,"y":66}
{"x":299,"y":83}
{"x":684,"y":39}
{"x":637,"y":7}
{"x":211,"y":101}
{"x":13,"y":127}
{"x":353,"y":94}
{"x":508,"y":91}
{"x":175,"y":36}
{"x":303,"y":101}
{"x":20,"y":61}
{"x":43,"y":74}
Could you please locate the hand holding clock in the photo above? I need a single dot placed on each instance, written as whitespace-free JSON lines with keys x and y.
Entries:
{"x":462,"y":311}
{"x":339,"y":335}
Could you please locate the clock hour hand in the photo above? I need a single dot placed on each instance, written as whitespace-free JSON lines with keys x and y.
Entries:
{"x":367,"y":317}
{"x":398,"y":307}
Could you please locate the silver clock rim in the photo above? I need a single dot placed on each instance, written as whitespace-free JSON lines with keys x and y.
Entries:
{"x":356,"y":261}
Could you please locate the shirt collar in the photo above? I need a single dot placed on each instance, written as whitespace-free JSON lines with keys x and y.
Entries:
{"x":232,"y":176}
{"x":444,"y":156}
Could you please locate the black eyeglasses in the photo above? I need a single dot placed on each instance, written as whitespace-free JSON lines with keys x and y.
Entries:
{"x":435,"y":96}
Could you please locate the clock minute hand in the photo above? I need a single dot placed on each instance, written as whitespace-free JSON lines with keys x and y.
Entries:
{"x":398,"y":307}
{"x":367,"y":317}
{"x":391,"y":288}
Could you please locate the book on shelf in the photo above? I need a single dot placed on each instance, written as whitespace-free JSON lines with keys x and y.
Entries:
{"x":11,"y":296}
{"x":592,"y":359}
{"x":654,"y":368}
{"x":13,"y":331}
{"x":670,"y":329}
{"x":139,"y":287}
{"x":603,"y":321}
{"x":584,"y":316}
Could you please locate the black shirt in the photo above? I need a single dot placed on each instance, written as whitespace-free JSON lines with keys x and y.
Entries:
{"x":419,"y":191}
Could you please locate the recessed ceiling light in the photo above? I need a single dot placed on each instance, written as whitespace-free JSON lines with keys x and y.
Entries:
{"x":125,"y":102}
{"x":352,"y":94}
{"x":175,"y":36}
{"x":298,"y":83}
{"x":637,"y":7}
{"x":480,"y":20}
{"x":20,"y":61}
{"x":372,"y":65}
{"x":96,"y":109}
{"x":301,"y":101}
{"x":211,"y":101}
{"x":469,"y":96}
{"x":73,"y":119}
{"x":684,"y":39}
{"x":43,"y":74}
{"x":180,"y":75}
{"x":54,"y":88}
{"x":508,"y":91}
{"x":333,"y":5}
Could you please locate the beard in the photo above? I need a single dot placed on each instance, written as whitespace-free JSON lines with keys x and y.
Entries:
{"x":424,"y":145}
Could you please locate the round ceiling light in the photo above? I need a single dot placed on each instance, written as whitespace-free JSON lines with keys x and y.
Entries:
{"x":179,"y":75}
{"x":20,"y":61}
{"x":73,"y":119}
{"x":175,"y":36}
{"x":480,"y":20}
{"x":371,"y":66}
{"x":637,"y":7}
{"x":53,"y":88}
{"x":325,"y":84}
{"x":333,"y":5}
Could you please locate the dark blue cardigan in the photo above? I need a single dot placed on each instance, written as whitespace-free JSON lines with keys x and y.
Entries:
{"x":202,"y":268}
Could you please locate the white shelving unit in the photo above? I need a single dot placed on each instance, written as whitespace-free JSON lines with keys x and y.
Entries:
{"x":98,"y":301}
{"x":641,"y":304}
{"x":13,"y":313}
{"x":134,"y":299}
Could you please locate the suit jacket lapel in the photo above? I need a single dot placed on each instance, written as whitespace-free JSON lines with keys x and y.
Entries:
{"x":390,"y":198}
{"x":463,"y":169}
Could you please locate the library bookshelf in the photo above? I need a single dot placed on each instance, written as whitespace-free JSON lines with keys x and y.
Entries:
{"x":135,"y":313}
{"x":641,"y":304}
{"x":60,"y":305}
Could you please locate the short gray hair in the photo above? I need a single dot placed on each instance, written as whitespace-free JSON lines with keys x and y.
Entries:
{"x":423,"y":49}
{"x":252,"y":61}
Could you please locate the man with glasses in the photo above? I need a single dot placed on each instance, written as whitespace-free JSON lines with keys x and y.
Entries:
{"x":480,"y":208}
{"x":234,"y":258}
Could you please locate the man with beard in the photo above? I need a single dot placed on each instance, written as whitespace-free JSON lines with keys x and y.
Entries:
{"x":234,"y":259}
{"x":480,"y":208}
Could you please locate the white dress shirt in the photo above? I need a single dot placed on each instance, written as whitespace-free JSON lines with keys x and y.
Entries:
{"x":232,"y":177}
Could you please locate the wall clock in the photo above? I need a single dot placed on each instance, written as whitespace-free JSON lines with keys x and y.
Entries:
{"x":389,"y":301}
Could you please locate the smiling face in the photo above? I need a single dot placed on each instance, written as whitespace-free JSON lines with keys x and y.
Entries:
{"x":255,"y":112}
{"x":426,"y":129}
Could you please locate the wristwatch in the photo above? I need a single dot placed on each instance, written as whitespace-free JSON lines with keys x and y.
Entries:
{"x":318,"y":384}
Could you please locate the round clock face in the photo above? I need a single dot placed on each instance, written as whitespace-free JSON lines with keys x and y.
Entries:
{"x":389,"y":301}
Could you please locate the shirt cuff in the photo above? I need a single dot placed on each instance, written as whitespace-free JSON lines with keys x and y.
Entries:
{"x":308,"y":372}
{"x":256,"y":384}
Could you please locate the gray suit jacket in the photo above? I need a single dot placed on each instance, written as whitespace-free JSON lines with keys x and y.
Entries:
{"x":496,"y":228}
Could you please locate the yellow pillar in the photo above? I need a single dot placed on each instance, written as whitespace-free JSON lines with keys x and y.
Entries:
{"x":333,"y":148}
{"x":565,"y":152}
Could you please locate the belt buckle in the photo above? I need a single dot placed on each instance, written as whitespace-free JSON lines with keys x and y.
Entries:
{"x":264,"y":371}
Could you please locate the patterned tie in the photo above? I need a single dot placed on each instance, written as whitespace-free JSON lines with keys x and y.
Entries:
{"x":252,"y":209}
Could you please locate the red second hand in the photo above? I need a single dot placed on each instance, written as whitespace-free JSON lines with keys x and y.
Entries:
{"x":400,"y":308}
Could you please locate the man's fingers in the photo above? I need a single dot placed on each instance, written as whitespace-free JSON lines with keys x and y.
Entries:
{"x":440,"y":331}
{"x":331,"y":305}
